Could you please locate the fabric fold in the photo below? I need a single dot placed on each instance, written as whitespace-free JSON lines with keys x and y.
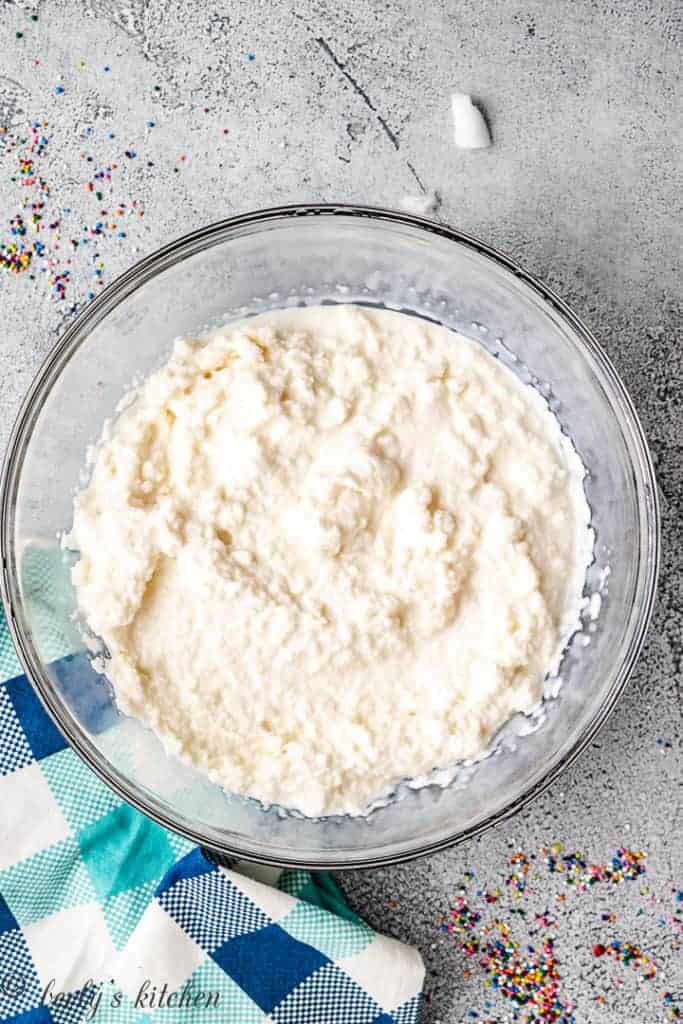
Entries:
{"x":107,"y":916}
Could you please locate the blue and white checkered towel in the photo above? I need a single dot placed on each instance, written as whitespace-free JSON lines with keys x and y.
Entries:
{"x":106,"y":916}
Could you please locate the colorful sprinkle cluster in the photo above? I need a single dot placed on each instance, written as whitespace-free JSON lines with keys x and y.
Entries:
{"x":626,"y":953}
{"x":42,"y":245}
{"x":516,"y":883}
{"x":17,"y":253}
{"x":529,"y":980}
{"x":676,"y":920}
{"x":463,"y":918}
{"x":527,"y":976}
{"x":626,"y":865}
{"x":672,"y":1012}
{"x":41,"y":236}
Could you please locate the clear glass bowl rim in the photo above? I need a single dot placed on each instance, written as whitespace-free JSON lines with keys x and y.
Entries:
{"x":191,"y":244}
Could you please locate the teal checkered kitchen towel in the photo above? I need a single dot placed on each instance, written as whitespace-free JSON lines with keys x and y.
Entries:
{"x":106,"y":916}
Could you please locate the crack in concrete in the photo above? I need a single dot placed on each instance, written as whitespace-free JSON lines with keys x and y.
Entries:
{"x":13,"y":100}
{"x":417,"y":177}
{"x":358,"y":89}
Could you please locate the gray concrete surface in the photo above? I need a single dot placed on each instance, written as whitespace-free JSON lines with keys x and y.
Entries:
{"x":350,"y":101}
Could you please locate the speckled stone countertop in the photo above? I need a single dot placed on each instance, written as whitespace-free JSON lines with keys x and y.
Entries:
{"x":172,"y":113}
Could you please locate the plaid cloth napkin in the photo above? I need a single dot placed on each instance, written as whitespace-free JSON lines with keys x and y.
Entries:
{"x":106,"y":916}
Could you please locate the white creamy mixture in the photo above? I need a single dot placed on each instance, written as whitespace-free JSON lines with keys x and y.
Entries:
{"x":331,"y":548}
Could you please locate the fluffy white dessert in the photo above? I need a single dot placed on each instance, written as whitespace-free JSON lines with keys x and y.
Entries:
{"x":328,"y":549}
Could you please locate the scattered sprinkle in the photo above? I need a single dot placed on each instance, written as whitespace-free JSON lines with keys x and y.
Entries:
{"x":58,"y":90}
{"x":626,"y":865}
{"x":672,"y":1012}
{"x":41,"y":240}
{"x":517,"y":956}
{"x":528,"y":979}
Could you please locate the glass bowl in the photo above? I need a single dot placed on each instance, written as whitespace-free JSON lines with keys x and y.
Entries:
{"x":307,"y":255}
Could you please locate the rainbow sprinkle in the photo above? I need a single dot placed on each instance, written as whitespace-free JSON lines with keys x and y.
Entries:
{"x":34,"y":233}
{"x":517,"y":881}
{"x":527,"y":976}
{"x":628,"y":954}
{"x":626,"y":865}
{"x":672,"y":1012}
{"x":17,"y":255}
{"x":531,"y":980}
